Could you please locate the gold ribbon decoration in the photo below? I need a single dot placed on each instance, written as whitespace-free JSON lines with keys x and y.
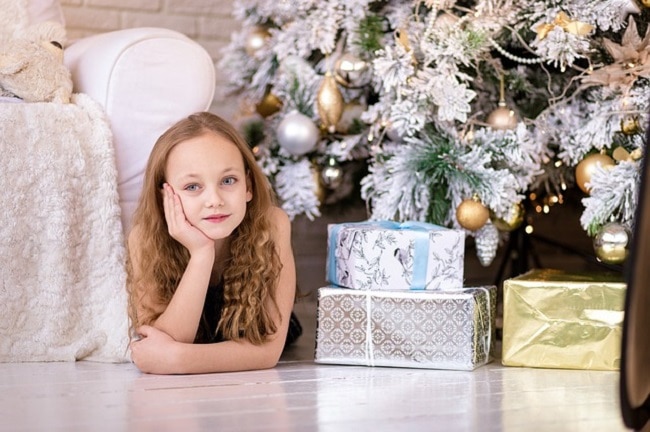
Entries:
{"x":563,"y":21}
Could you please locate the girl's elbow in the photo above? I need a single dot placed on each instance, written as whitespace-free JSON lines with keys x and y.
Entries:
{"x":271,"y":357}
{"x":269,"y":363}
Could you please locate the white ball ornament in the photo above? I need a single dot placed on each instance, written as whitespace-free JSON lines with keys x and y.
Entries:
{"x":297,"y":134}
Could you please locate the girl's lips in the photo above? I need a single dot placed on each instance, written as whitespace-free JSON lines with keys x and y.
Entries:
{"x":216,"y":218}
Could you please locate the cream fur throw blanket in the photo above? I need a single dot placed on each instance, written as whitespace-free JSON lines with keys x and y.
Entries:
{"x":63,"y":295}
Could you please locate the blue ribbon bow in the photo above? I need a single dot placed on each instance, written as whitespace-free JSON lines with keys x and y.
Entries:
{"x":421,"y":244}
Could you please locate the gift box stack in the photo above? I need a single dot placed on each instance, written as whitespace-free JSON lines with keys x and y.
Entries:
{"x":396,"y":298}
{"x":558,"y":319}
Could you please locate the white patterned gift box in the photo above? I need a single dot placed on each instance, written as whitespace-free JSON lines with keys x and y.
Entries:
{"x":383,"y":255}
{"x":416,"y":329}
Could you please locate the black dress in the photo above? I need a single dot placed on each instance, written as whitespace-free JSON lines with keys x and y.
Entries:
{"x":214,"y":301}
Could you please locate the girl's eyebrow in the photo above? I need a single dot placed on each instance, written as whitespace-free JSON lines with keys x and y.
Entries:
{"x":188,"y":176}
{"x":191,"y":175}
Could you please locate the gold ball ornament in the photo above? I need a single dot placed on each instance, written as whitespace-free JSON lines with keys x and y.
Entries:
{"x":630,"y":125}
{"x":586,"y":167}
{"x":512,"y":220}
{"x":472,"y":214}
{"x":611,"y":244}
{"x":329,"y":102}
{"x":351,"y":71}
{"x":256,"y":39}
{"x":502,"y":118}
{"x":269,"y":105}
{"x":646,"y":3}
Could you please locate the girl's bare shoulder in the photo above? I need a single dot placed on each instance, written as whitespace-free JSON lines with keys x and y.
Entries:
{"x":280,"y":220}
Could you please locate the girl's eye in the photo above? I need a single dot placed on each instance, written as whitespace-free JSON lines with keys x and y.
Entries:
{"x":229,"y":181}
{"x":192,"y":188}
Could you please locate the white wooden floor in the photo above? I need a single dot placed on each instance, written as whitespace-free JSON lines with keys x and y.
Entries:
{"x":299,"y":395}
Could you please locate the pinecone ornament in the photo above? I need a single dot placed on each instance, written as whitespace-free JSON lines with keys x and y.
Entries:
{"x":487,"y":241}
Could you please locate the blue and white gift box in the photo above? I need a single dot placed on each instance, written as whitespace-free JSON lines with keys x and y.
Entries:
{"x":383,"y":255}
{"x":451,"y":329}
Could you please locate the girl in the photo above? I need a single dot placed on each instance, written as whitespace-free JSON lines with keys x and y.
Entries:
{"x":211,"y":273}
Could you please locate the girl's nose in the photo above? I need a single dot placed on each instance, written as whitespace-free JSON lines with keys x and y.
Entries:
{"x":214,"y":199}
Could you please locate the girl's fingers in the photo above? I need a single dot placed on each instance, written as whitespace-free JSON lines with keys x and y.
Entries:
{"x":143,"y":331}
{"x":178,"y":207}
{"x":177,"y":223}
{"x":166,"y":200}
{"x":173,"y":209}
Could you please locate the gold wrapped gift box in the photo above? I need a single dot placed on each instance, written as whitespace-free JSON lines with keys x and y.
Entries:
{"x":555,"y":319}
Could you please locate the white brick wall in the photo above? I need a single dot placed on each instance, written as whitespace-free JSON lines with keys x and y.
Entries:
{"x":209,"y":22}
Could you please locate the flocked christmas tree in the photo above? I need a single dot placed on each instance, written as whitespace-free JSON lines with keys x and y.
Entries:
{"x":459,"y":110}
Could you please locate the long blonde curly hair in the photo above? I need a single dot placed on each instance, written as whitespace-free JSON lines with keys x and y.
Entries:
{"x":252,"y":273}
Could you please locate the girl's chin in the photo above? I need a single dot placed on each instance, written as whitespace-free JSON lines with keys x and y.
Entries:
{"x":216,"y":233}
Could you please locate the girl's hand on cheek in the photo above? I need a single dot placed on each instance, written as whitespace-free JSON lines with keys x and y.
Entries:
{"x":154,"y":352}
{"x":179,"y":227}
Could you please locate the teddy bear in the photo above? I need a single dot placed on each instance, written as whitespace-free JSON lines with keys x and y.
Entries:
{"x":31,"y":64}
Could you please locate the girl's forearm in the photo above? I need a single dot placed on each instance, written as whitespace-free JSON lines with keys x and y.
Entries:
{"x":180,"y":320}
{"x":225,"y":356}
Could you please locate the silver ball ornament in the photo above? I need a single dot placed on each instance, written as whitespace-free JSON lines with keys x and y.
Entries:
{"x":331,"y":174}
{"x":297,"y":134}
{"x":611,"y":244}
{"x":351,"y":71}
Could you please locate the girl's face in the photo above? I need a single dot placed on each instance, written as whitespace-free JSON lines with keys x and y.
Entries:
{"x":208,"y":174}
